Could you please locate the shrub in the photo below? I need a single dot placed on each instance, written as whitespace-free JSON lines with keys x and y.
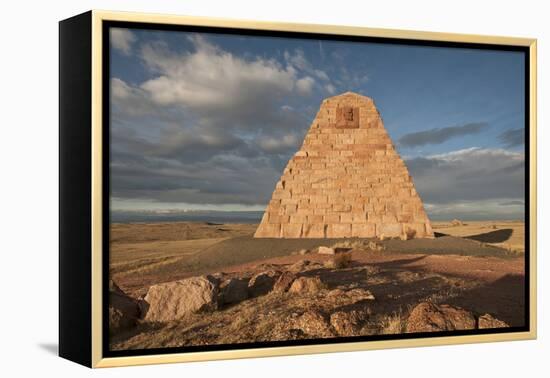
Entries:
{"x":339,"y":261}
{"x":393,"y":324}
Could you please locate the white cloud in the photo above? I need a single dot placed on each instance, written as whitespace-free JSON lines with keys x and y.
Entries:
{"x":469,"y":175}
{"x":305,"y":85}
{"x":473,"y":183}
{"x":208,"y":126}
{"x":122,"y":40}
{"x":211,"y":78}
{"x":480,"y":209}
{"x":331,"y":89}
{"x":298,"y":59}
{"x":475,"y":153}
{"x":321,"y":75}
{"x":122,"y":91}
{"x":131,"y":101}
{"x":274,"y":144}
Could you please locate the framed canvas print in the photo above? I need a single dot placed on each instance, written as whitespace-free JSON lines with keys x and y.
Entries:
{"x":235,"y":189}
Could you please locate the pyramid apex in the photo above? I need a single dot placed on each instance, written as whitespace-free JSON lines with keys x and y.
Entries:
{"x":349,"y":94}
{"x":352,"y":93}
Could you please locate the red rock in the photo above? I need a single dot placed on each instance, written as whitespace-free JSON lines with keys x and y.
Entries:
{"x":429,"y":317}
{"x":488,"y":321}
{"x":284,"y":282}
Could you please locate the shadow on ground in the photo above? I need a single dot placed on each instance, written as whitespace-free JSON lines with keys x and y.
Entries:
{"x":497,"y":236}
{"x":503,"y":298}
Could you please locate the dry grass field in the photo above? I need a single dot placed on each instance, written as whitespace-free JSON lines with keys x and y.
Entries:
{"x":477,"y":266}
{"x":509,"y":235}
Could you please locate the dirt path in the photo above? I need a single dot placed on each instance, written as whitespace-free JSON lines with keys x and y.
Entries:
{"x":245,"y":249}
{"x":145,"y":254}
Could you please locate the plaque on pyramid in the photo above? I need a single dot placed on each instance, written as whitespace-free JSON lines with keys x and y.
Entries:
{"x":347,"y":180}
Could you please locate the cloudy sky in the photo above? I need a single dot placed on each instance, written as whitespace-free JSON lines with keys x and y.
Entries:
{"x":208,"y":121}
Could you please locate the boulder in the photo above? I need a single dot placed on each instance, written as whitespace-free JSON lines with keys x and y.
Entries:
{"x":359,"y":294}
{"x":304,"y":265}
{"x":233,"y":291}
{"x":173,"y":300}
{"x":123,"y":309}
{"x":262,"y":283}
{"x":325,"y":251}
{"x":488,"y":321}
{"x":306,"y":285}
{"x":429,"y":317}
{"x":284,"y":282}
{"x":348,"y":323}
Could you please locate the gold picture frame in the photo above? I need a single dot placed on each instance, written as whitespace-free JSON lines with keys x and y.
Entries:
{"x":92,"y":24}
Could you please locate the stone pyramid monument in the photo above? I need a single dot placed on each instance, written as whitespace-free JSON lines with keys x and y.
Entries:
{"x":347,"y":180}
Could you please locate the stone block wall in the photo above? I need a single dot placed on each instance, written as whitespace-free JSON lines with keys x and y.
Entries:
{"x":347,"y":180}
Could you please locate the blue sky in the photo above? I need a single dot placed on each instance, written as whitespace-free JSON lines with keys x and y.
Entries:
{"x":208,"y":121}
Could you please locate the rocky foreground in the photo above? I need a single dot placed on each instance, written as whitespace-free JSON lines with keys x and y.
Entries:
{"x":323,"y":293}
